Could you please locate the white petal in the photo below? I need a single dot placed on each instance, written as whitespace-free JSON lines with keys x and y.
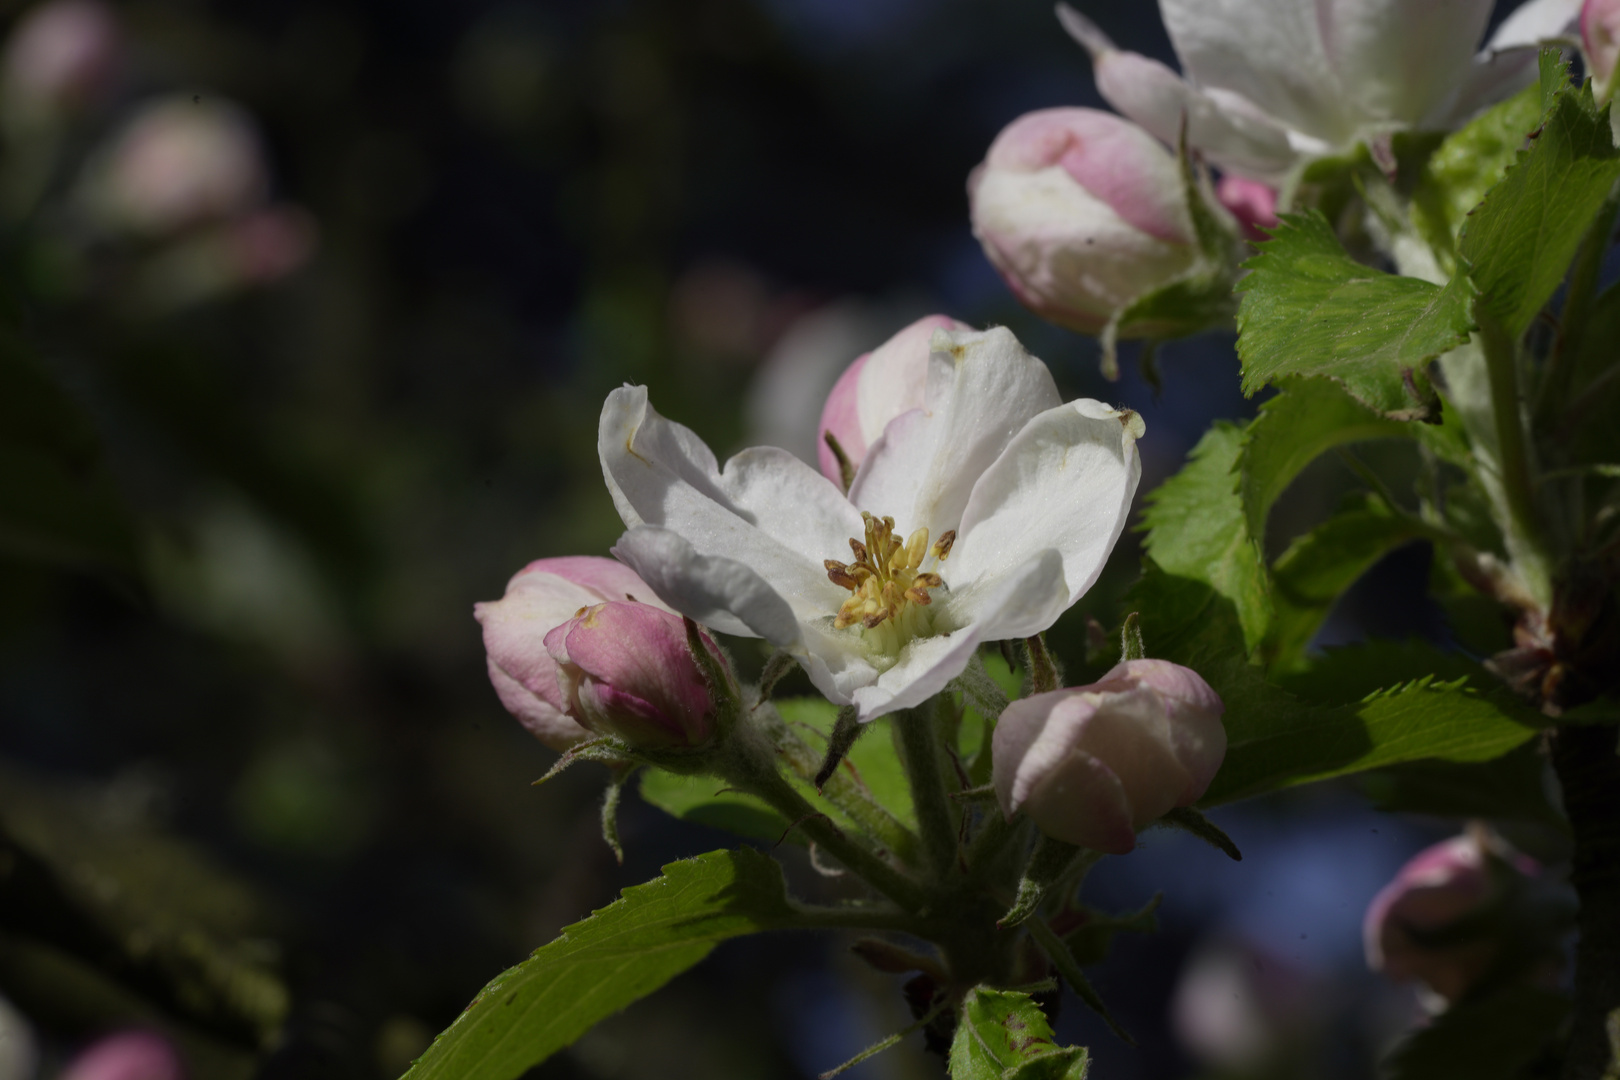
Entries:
{"x":1269,"y":51}
{"x":1401,"y":58}
{"x":1508,"y":63}
{"x":767,"y":510}
{"x":1534,"y":22}
{"x":1064,"y":484}
{"x":982,"y":388}
{"x":720,"y":593}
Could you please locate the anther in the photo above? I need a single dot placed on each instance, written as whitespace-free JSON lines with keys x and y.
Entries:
{"x":942,"y":546}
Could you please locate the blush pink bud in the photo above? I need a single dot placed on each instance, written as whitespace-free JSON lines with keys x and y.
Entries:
{"x":177,"y":163}
{"x":60,"y":57}
{"x":876,"y":388}
{"x":539,"y":598}
{"x":626,"y":670}
{"x":1081,"y":212}
{"x":1095,"y":764}
{"x":1434,"y":891}
{"x":1600,"y":42}
{"x":130,"y":1055}
{"x":1252,"y":203}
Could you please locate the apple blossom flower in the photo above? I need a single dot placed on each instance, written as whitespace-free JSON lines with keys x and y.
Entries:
{"x":1600,"y":43}
{"x":1268,"y":85}
{"x":1093,"y":765}
{"x":541,"y":597}
{"x":625,"y":669}
{"x":128,"y":1055}
{"x":1436,"y":890}
{"x":982,"y":516}
{"x":177,"y":163}
{"x":1081,"y":212}
{"x":60,"y":56}
{"x":876,"y":388}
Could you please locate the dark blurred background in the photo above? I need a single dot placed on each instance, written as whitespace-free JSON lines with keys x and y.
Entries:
{"x":309,"y":308}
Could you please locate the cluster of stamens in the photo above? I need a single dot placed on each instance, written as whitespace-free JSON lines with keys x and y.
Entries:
{"x":886,"y":575}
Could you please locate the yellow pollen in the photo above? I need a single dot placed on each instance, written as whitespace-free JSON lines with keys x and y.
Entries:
{"x":886,"y":576}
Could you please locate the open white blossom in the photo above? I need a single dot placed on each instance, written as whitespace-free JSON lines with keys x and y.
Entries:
{"x":1268,"y":85}
{"x":982,"y":516}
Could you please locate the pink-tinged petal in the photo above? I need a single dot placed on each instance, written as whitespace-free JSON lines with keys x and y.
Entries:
{"x":129,"y":1055}
{"x":895,"y":378}
{"x":1084,"y":803}
{"x":1600,"y":39}
{"x":1251,"y":202}
{"x":541,"y":715}
{"x":606,"y":579}
{"x":840,"y":417}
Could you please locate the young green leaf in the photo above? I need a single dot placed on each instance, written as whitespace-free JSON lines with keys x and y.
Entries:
{"x":1004,"y":1035}
{"x":1511,"y":787}
{"x":1310,"y":310}
{"x":1197,"y":530}
{"x":1522,"y":238}
{"x":703,"y":800}
{"x":1468,"y":164}
{"x":630,"y":948}
{"x":1307,"y":418}
{"x":1494,"y":1039}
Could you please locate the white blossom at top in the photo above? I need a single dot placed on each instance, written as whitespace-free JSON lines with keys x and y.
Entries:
{"x":982,"y":516}
{"x":1268,"y":85}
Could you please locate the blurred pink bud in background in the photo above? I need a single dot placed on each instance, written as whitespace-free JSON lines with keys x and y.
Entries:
{"x":1082,"y":212}
{"x":1252,"y":203}
{"x":59,"y":58}
{"x":129,"y":1055}
{"x":180,"y":161}
{"x":1438,"y":888}
{"x":876,"y":388}
{"x":1092,"y":765}
{"x":625,"y":669}
{"x":541,"y":597}
{"x":1600,"y":42}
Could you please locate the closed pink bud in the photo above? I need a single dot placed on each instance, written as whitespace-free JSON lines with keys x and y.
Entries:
{"x":1094,"y":764}
{"x":130,"y":1055}
{"x":1081,"y":212}
{"x":539,"y":598}
{"x":1600,"y":42}
{"x":1252,"y":203}
{"x":1438,"y":888}
{"x":60,"y":57}
{"x":626,"y":670}
{"x":876,"y":388}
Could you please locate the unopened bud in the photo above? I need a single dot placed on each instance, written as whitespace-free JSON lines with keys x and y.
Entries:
{"x":1450,"y":912}
{"x":129,"y":1055}
{"x":1094,"y":764}
{"x":876,"y":388}
{"x":1082,"y":212}
{"x":1252,"y":203}
{"x":627,"y":670}
{"x":59,"y":58}
{"x":539,"y":598}
{"x":1600,"y":43}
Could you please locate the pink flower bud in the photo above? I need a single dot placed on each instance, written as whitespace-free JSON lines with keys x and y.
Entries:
{"x":876,"y":388}
{"x":179,"y":162}
{"x":1081,"y":212}
{"x":1440,"y":886}
{"x":1252,"y":203}
{"x":539,"y":598}
{"x":130,"y":1055}
{"x":1094,"y":764}
{"x":1600,"y":42}
{"x":60,"y":57}
{"x":625,"y":670}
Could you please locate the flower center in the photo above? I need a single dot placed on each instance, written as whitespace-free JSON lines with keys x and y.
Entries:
{"x":886,"y":581}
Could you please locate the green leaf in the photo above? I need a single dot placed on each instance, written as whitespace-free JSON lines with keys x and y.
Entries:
{"x":1307,"y":418}
{"x":1197,"y":529}
{"x":1522,"y":238}
{"x":1494,"y":1039}
{"x":1347,"y":674}
{"x":706,"y":801}
{"x":1318,"y":567}
{"x":1310,"y":310}
{"x":1276,"y":739}
{"x":1469,"y":163}
{"x":1510,"y":787}
{"x":624,"y":952}
{"x":1004,"y":1035}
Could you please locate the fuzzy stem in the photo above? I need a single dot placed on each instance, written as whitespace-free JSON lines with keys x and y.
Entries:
{"x":919,"y":747}
{"x":1502,"y":368}
{"x":1589,"y":771}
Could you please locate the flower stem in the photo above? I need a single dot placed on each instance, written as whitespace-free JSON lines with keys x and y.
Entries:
{"x":919,"y":748}
{"x":1529,"y":553}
